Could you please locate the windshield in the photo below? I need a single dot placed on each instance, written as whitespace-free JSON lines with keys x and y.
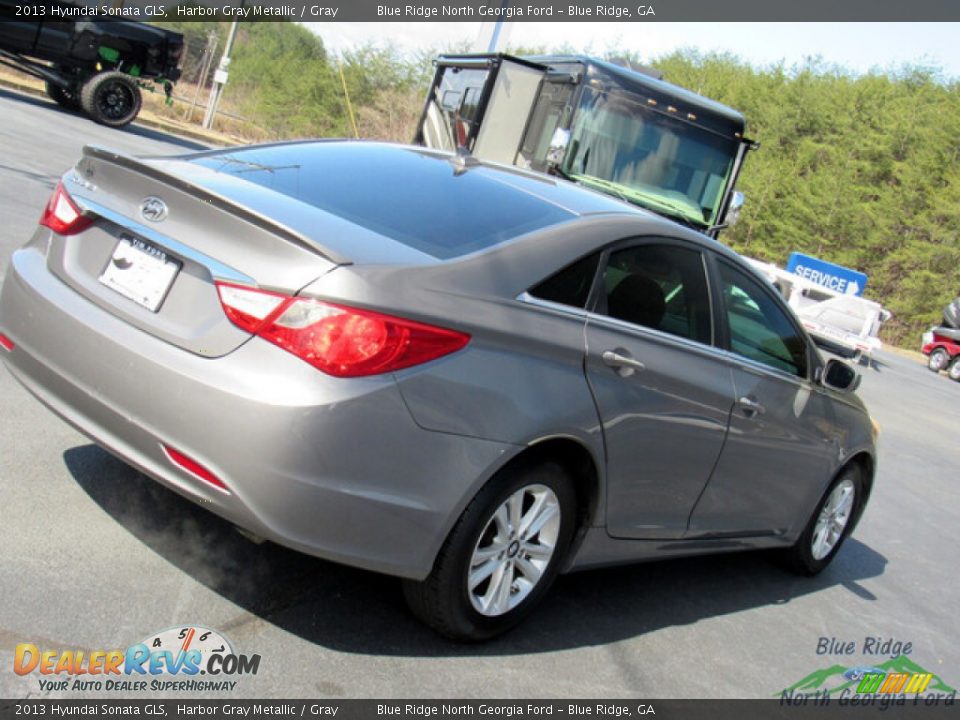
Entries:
{"x":622,"y":147}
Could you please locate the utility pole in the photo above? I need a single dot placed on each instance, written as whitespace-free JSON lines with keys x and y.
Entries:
{"x":497,"y":27}
{"x":208,"y":52}
{"x":220,"y":77}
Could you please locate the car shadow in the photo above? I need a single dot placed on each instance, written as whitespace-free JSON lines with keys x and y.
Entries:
{"x":355,"y":611}
{"x":132,"y":129}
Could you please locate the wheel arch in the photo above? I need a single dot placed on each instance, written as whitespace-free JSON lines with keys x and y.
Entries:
{"x":576,"y":459}
{"x":867,"y":464}
{"x":584,"y":469}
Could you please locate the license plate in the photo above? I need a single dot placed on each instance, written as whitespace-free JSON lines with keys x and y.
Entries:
{"x":141,"y":272}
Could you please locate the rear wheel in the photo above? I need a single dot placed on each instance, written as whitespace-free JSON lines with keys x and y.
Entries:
{"x":953,"y":372}
{"x":501,"y":557}
{"x":111,"y":98}
{"x":64,"y":98}
{"x":938,"y":360}
{"x":829,"y":525}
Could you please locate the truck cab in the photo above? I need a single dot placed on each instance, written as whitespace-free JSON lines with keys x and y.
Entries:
{"x":624,"y":132}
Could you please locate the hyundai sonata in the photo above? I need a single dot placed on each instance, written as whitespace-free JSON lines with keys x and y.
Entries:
{"x":468,"y":376}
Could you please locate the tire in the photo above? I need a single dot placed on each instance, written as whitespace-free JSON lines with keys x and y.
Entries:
{"x":111,"y":98}
{"x":938,"y":360}
{"x":831,"y":523}
{"x":953,"y":372}
{"x":64,"y":98}
{"x":488,"y":539}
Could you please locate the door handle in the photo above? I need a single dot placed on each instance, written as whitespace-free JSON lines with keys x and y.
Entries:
{"x":623,"y":364}
{"x":750,"y":406}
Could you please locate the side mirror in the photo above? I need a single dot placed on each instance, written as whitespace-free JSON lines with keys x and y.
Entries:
{"x":558,"y":146}
{"x":733,"y":210}
{"x":840,"y":376}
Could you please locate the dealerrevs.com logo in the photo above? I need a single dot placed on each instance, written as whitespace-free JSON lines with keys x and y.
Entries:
{"x":191,"y":658}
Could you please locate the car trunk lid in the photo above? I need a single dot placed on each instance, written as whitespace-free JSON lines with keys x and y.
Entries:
{"x":161,"y":238}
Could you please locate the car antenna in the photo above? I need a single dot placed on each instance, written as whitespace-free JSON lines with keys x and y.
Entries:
{"x":462,"y":160}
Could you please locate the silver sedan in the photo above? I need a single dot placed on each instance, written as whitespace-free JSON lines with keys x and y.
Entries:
{"x":468,"y":376}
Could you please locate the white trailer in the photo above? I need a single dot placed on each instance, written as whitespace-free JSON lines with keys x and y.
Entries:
{"x":845,"y":324}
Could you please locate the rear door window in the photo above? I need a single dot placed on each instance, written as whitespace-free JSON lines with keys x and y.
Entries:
{"x":659,"y":286}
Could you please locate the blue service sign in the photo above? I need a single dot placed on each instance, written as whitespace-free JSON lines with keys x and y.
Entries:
{"x":836,"y":277}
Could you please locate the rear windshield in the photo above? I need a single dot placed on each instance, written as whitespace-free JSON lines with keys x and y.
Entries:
{"x":412,"y":197}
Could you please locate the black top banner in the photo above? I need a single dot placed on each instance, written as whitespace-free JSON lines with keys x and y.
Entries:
{"x":493,"y":10}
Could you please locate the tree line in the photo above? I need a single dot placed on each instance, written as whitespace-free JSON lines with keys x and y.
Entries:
{"x":860,"y":170}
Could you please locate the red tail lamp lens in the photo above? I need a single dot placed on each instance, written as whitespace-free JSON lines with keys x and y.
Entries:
{"x":339,"y":340}
{"x":62,"y":215}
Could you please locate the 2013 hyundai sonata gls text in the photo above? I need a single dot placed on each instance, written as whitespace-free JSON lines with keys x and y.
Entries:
{"x":464,"y":375}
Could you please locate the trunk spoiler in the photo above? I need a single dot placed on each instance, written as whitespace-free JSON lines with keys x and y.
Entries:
{"x":254,"y":218}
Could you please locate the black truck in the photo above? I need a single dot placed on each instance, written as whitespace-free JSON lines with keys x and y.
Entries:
{"x":97,"y":66}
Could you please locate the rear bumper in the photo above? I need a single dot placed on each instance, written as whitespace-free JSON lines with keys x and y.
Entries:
{"x":335,"y":468}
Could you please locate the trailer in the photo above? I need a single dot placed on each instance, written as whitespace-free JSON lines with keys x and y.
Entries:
{"x":839,"y":322}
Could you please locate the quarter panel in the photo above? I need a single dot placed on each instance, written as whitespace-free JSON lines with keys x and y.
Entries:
{"x":520,"y":379}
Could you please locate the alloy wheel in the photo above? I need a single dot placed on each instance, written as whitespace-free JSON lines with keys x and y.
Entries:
{"x":514,"y":550}
{"x":833,"y":519}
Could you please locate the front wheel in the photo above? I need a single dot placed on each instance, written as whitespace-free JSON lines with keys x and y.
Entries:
{"x":938,"y":360}
{"x":111,"y":98}
{"x":501,"y":557}
{"x":829,"y":525}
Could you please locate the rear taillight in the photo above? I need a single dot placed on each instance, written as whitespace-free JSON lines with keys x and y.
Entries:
{"x":6,"y":343}
{"x":339,"y":340}
{"x":61,"y":214}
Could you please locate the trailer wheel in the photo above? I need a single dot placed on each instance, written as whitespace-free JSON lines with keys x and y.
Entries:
{"x":938,"y":360}
{"x":64,"y":98}
{"x":953,"y":371}
{"x":111,"y":98}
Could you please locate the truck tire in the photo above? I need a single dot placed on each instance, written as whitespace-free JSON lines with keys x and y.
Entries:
{"x":64,"y":98}
{"x":111,"y":98}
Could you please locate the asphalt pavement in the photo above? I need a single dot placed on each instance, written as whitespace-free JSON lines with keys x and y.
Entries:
{"x":95,"y":556}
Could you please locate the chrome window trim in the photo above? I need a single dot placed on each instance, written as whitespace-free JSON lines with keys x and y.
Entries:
{"x":756,"y":367}
{"x":652,"y":334}
{"x":526,"y":297}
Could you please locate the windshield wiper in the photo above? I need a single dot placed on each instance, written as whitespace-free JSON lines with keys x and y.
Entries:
{"x":608,"y":187}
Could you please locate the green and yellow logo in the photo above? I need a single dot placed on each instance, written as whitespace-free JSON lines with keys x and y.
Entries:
{"x":894,"y":682}
{"x":897,"y":676}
